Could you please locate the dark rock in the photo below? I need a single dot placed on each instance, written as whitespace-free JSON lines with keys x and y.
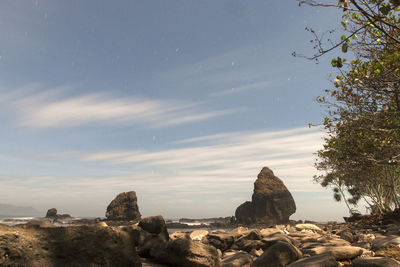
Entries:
{"x":279,"y":255}
{"x":185,"y":253}
{"x":375,"y":262}
{"x":66,"y":246}
{"x":222,"y":241}
{"x":155,"y":225}
{"x":323,"y":260}
{"x":124,"y":208}
{"x":51,"y":213}
{"x":271,"y":202}
{"x":236,"y":259}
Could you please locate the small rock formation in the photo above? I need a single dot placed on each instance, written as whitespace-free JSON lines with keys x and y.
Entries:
{"x":52,"y":214}
{"x":271,"y":202}
{"x":124,"y":208}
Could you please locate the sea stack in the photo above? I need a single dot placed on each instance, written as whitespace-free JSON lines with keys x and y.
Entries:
{"x":124,"y":208}
{"x":271,"y":202}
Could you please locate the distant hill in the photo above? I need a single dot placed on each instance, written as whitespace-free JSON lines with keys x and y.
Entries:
{"x":11,"y":210}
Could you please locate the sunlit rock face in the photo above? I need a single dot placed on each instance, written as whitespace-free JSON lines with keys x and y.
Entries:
{"x":271,"y":202}
{"x":124,"y":207}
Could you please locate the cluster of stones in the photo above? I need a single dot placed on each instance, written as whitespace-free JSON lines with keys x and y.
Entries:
{"x":301,"y":245}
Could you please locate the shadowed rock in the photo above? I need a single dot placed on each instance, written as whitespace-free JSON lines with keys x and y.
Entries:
{"x":124,"y":208}
{"x":271,"y":202}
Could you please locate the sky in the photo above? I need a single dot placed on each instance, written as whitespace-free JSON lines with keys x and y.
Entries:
{"x":182,"y":101}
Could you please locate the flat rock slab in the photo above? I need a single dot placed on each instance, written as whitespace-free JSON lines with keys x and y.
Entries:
{"x":323,"y":260}
{"x":338,"y":252}
{"x":375,"y":262}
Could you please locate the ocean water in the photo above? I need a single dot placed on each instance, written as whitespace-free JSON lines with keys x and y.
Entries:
{"x":14,"y":220}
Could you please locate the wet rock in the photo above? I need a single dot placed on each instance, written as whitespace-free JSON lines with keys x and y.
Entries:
{"x":123,"y":207}
{"x":271,"y":202}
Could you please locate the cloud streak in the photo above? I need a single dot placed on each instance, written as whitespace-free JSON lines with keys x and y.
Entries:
{"x":50,"y":109}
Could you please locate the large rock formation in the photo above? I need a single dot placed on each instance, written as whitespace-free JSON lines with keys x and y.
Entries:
{"x":271,"y":202}
{"x":124,"y":208}
{"x":77,"y":246}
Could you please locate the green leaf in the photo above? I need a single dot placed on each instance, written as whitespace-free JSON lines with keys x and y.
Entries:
{"x":344,"y":48}
{"x":385,"y":9}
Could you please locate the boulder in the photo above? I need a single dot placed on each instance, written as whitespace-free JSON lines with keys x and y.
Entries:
{"x":77,"y":246}
{"x":155,"y":225}
{"x":198,"y":235}
{"x":278,"y":255}
{"x":51,"y":213}
{"x":339,"y":252}
{"x":123,"y":208}
{"x":271,"y":202}
{"x":185,"y":253}
{"x":222,"y":241}
{"x":236,"y":259}
{"x":323,"y":260}
{"x":375,"y":262}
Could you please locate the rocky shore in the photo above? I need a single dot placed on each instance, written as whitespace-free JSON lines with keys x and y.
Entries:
{"x":260,"y":235}
{"x":365,"y":242}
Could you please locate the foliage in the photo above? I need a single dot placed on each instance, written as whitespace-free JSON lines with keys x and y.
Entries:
{"x":361,"y":154}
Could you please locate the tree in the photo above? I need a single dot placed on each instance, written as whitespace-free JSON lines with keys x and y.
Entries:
{"x":361,"y":154}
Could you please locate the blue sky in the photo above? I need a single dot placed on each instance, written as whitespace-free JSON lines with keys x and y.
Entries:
{"x":181,"y":101}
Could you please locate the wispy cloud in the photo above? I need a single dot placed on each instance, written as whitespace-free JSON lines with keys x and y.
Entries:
{"x":233,"y":156}
{"x":218,"y":168}
{"x":245,"y":88}
{"x":51,"y":109}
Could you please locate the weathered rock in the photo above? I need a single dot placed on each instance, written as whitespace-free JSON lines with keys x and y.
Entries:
{"x":198,"y":235}
{"x":391,"y":251}
{"x":323,"y":260}
{"x":222,"y":241}
{"x":185,"y":253}
{"x":51,"y":213}
{"x":308,"y":226}
{"x":155,"y":225}
{"x":279,"y":255}
{"x":176,"y":235}
{"x":339,"y":252}
{"x":382,"y":241}
{"x":271,"y":202}
{"x":66,"y":246}
{"x":124,"y":207}
{"x":375,"y":262}
{"x":236,"y":259}
{"x":270,"y":231}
